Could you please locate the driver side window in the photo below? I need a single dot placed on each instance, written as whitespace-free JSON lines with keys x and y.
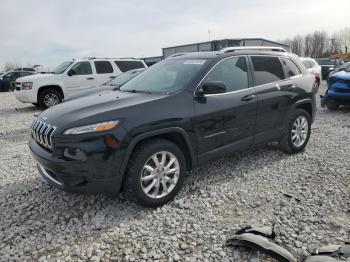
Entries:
{"x":232,"y":71}
{"x":82,"y":68}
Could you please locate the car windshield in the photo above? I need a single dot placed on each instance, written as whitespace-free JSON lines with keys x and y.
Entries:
{"x":61,"y":68}
{"x":123,"y":78}
{"x":165,"y":77}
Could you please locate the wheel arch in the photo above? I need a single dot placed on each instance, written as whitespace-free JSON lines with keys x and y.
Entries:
{"x":307,"y":106}
{"x":45,"y":87}
{"x":176,"y":135}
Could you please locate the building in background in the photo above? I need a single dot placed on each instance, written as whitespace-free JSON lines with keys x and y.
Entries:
{"x":214,"y":45}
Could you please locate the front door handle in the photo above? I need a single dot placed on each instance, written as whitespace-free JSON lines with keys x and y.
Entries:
{"x":288,"y":87}
{"x":247,"y":98}
{"x":90,"y":78}
{"x":112,"y":77}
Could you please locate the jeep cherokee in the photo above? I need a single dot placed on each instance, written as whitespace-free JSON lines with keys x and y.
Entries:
{"x":179,"y":113}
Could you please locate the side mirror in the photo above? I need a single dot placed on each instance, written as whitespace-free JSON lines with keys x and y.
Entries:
{"x":71,"y":72}
{"x":211,"y":87}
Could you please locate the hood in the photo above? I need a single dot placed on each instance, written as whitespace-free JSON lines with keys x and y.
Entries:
{"x":342,"y":75}
{"x":35,"y":77}
{"x":91,"y":109}
{"x":90,"y":91}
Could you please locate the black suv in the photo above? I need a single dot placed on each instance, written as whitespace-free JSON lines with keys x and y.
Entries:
{"x":179,"y":113}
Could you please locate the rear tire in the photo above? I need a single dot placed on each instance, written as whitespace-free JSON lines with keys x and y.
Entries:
{"x":297,"y":132}
{"x":332,"y":105}
{"x":152,"y":185}
{"x":49,"y":98}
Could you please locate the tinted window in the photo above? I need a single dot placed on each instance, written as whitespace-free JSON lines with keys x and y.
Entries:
{"x":291,"y":67}
{"x":25,"y":74}
{"x":129,"y":65}
{"x":267,"y":69}
{"x":28,"y":69}
{"x":82,"y":68}
{"x":231,"y":71}
{"x":7,"y":76}
{"x":103,"y":67}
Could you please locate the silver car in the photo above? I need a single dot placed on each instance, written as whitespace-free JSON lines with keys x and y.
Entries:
{"x":315,"y":69}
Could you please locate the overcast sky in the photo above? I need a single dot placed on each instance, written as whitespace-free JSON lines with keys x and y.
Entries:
{"x":49,"y":32}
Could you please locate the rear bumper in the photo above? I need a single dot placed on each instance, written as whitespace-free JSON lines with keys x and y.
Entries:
{"x":89,"y":176}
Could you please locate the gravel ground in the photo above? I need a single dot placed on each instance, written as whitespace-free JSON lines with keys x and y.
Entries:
{"x":41,"y":223}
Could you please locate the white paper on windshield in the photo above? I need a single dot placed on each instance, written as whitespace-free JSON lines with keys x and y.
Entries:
{"x":194,"y":62}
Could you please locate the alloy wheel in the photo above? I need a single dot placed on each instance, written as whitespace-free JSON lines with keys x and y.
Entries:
{"x":51,"y":100}
{"x":300,"y":131}
{"x":160,"y":174}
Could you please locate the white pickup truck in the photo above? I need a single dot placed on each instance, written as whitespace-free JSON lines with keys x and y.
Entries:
{"x":47,"y":90}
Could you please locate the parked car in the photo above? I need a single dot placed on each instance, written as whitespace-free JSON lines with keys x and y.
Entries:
{"x":328,"y":65}
{"x":27,"y":69}
{"x":48,"y":90}
{"x":343,"y":67}
{"x":8,"y":80}
{"x":313,"y":68}
{"x":338,"y":92}
{"x":181,"y":112}
{"x":111,"y":85}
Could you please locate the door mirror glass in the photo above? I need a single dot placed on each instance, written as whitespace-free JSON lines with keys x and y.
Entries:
{"x":212,"y":87}
{"x":72,"y":72}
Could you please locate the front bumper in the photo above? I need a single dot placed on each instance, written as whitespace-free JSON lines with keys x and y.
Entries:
{"x":25,"y":96}
{"x":95,"y":174}
{"x":337,"y":92}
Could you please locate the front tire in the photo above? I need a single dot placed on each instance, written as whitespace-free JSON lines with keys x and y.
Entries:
{"x":155,"y":173}
{"x":49,"y":98}
{"x":297,"y":132}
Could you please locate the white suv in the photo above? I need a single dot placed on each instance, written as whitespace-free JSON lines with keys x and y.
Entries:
{"x":47,"y":90}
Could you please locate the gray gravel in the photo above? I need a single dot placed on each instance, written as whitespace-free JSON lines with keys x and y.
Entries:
{"x":41,"y":223}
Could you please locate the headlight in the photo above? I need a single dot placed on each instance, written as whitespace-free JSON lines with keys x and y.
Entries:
{"x":94,"y":128}
{"x":27,"y":85}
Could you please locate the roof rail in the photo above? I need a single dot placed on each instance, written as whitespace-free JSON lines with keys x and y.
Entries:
{"x":258,"y":48}
{"x":92,"y":58}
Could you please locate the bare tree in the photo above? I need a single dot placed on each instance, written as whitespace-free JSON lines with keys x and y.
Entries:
{"x":297,"y":45}
{"x":319,"y":43}
{"x":308,"y":45}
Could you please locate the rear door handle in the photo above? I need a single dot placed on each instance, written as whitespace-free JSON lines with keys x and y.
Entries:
{"x":112,"y":77}
{"x":90,"y":78}
{"x":247,"y":98}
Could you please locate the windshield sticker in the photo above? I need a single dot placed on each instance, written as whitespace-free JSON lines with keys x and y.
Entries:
{"x":194,"y":62}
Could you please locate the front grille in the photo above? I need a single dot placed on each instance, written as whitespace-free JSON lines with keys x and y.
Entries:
{"x":42,"y":132}
{"x":18,"y":86}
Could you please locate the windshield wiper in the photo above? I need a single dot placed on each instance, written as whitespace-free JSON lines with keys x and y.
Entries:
{"x":136,"y":91}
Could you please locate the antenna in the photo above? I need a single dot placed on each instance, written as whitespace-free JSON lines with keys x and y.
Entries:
{"x":209,"y":33}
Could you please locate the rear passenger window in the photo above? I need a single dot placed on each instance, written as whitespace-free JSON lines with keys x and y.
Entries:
{"x":291,"y":68}
{"x":231,"y":71}
{"x":129,"y":65}
{"x":267,"y":69}
{"x":103,"y":67}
